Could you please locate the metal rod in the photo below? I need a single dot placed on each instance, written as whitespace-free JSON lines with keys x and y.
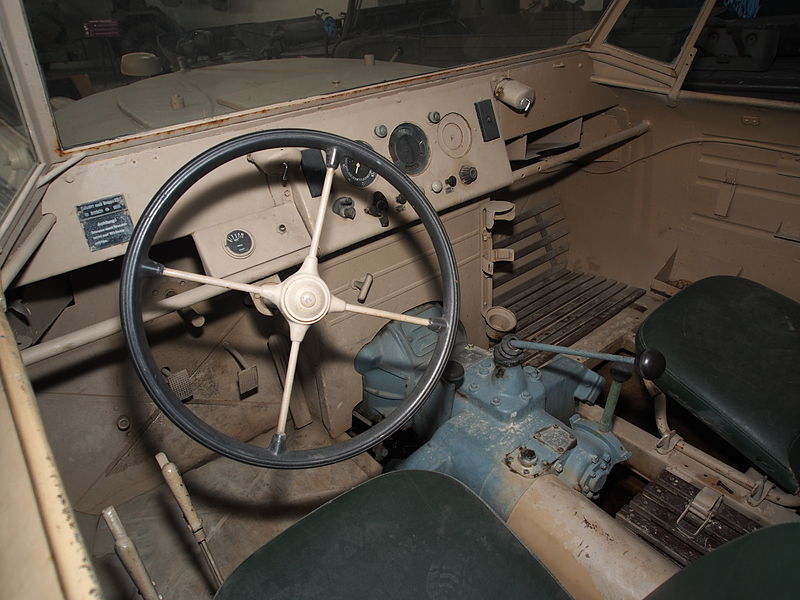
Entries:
{"x":699,"y":96}
{"x":385,"y":314}
{"x":607,"y":419}
{"x":524,"y":345}
{"x":205,"y":279}
{"x":608,"y":141}
{"x":288,"y":384}
{"x":129,"y":556}
{"x":70,"y":558}
{"x":26,"y":249}
{"x":109,"y":327}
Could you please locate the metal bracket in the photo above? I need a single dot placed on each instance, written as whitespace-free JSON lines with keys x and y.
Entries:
{"x":703,"y":506}
{"x":675,"y":90}
{"x":498,"y":210}
{"x":494,"y":255}
{"x":667,"y":442}
{"x":760,"y":491}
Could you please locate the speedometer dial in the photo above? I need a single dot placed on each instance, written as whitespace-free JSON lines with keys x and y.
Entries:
{"x":408,"y":146}
{"x":355,"y":173}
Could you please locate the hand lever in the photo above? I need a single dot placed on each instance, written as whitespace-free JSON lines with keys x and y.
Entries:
{"x":620,"y":373}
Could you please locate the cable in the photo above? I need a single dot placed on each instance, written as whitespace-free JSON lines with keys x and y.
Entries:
{"x":699,"y":140}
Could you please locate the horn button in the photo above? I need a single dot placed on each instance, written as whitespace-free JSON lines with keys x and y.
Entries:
{"x":305,"y":299}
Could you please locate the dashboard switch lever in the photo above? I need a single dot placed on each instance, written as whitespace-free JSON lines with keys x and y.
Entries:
{"x":379,"y":209}
{"x":363,"y":286}
{"x":344,"y":207}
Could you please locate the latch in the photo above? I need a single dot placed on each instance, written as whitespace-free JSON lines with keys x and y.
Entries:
{"x":704,"y":506}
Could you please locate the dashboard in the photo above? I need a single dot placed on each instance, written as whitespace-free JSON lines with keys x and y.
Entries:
{"x":449,"y":136}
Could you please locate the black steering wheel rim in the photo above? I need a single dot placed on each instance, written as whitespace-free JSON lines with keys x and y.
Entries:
{"x":135,"y":270}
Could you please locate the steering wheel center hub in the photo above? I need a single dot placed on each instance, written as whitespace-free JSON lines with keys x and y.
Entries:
{"x":305,"y":299}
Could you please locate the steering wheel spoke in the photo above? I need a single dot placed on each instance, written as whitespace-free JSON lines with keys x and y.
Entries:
{"x":269,"y":291}
{"x":339,"y":305}
{"x":303,"y":298}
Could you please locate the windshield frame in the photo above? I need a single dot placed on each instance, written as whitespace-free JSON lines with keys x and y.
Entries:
{"x":28,"y":86}
{"x":667,"y":73}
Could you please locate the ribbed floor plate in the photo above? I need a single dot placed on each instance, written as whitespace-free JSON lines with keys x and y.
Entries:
{"x":653,"y":514}
{"x":562,"y":306}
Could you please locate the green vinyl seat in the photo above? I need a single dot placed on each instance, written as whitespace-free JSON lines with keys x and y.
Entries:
{"x":419,"y":535}
{"x":732,"y":348}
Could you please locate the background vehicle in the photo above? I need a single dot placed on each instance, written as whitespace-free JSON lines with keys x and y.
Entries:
{"x":587,"y":162}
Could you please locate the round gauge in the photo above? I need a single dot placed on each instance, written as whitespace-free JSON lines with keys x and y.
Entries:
{"x":355,"y":173}
{"x":408,"y":146}
{"x":239,"y":243}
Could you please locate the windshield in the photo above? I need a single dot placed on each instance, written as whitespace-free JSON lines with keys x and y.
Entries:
{"x":119,"y":67}
{"x":16,"y":150}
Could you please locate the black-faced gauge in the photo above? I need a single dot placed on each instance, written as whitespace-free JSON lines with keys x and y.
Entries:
{"x":409,"y":148}
{"x":355,"y":173}
{"x":239,"y":243}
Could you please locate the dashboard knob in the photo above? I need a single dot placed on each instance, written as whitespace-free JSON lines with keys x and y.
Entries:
{"x":467,"y":174}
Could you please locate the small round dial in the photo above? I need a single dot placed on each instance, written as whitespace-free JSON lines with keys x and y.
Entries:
{"x":409,"y":148}
{"x":355,"y":173}
{"x":239,"y":243}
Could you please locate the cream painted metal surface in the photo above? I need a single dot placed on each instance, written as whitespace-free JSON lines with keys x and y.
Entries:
{"x":590,"y":553}
{"x":49,"y":559}
{"x":645,"y":193}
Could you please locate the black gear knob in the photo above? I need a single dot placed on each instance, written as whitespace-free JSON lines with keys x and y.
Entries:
{"x":651,"y":364}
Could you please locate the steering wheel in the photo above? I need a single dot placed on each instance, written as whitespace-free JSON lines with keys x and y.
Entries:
{"x":303,"y":298}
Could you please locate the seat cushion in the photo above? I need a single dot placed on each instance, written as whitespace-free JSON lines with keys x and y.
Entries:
{"x":733,"y":359}
{"x":407,"y":534}
{"x":762,"y":564}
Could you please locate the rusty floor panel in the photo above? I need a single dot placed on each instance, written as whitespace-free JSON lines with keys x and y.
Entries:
{"x":653,"y":515}
{"x":562,"y":306}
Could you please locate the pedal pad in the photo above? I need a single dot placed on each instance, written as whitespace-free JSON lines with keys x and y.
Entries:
{"x":248,"y":374}
{"x":179,"y":383}
{"x":248,"y":381}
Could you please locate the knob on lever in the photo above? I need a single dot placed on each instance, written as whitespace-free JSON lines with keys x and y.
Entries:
{"x":651,"y":364}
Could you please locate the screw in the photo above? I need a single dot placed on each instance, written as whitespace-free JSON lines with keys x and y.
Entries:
{"x":526,"y":472}
{"x":525,"y":394}
{"x":473,"y":387}
{"x":559,"y":468}
{"x":381,"y":131}
{"x":281,"y":228}
{"x":595,"y":459}
{"x":495,"y":401}
{"x":434,"y":116}
{"x":124,"y":423}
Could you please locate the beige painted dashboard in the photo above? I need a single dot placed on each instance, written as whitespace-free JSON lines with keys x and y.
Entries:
{"x":268,"y":196}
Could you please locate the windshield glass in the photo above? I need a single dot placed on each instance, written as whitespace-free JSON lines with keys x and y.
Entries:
{"x":16,"y":150}
{"x":119,"y":67}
